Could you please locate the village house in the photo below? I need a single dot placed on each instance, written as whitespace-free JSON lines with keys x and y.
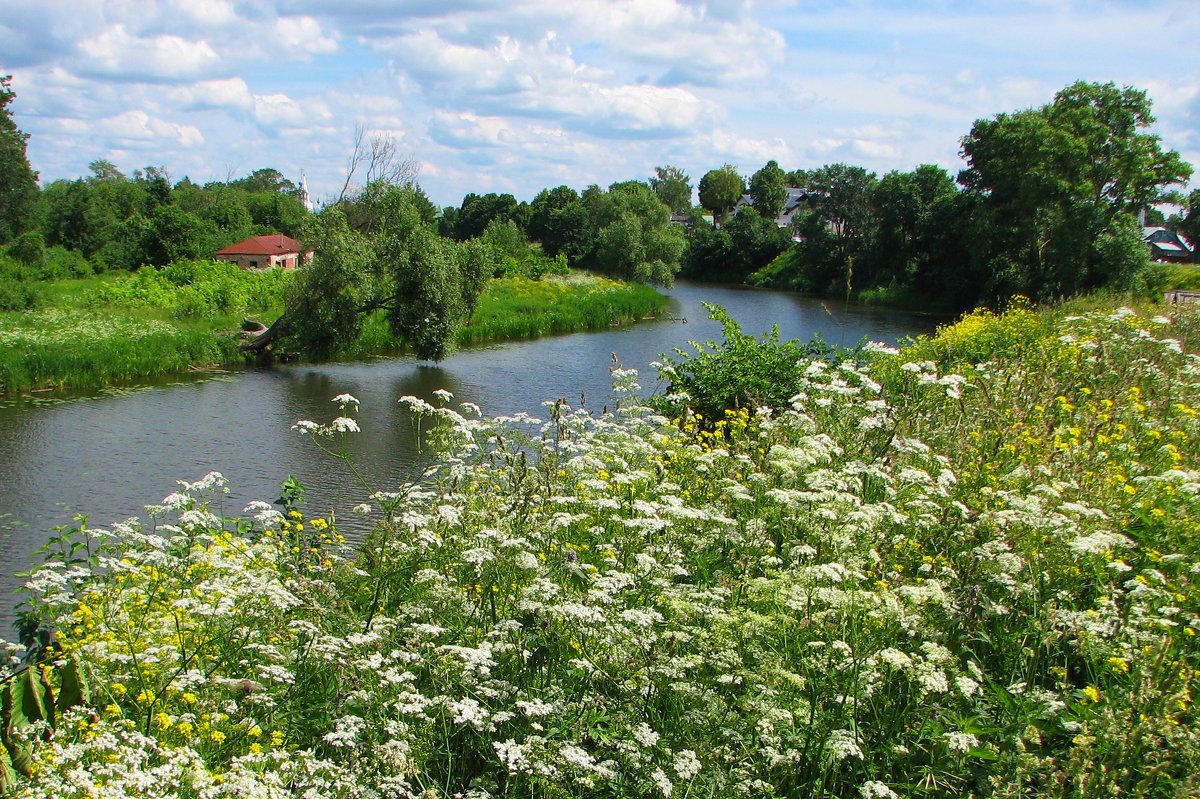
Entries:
{"x":1168,"y":246}
{"x":265,"y":252}
{"x":795,"y":199}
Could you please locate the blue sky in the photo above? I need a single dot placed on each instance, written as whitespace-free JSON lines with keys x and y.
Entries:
{"x":519,"y":95}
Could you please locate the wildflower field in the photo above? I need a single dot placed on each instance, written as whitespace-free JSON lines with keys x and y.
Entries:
{"x":965,"y":569}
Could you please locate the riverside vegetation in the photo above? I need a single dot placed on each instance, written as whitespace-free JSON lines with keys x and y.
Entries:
{"x":967,"y":568}
{"x":111,"y":329}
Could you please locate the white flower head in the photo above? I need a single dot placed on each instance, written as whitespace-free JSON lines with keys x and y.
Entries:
{"x":346,"y":399}
{"x":344,"y":424}
{"x":305,"y":426}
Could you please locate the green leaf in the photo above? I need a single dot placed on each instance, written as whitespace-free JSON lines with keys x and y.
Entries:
{"x":8,"y":777}
{"x":74,"y":689}
{"x":28,"y":698}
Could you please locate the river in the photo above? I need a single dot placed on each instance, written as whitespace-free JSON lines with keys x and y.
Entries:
{"x":110,"y":455}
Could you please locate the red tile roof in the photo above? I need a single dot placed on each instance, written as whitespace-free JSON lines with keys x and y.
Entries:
{"x":274,"y":244}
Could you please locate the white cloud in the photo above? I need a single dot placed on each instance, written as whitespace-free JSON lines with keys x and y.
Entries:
{"x":301,"y":35}
{"x":165,"y":57}
{"x":210,"y":13}
{"x":135,"y":125}
{"x":229,"y":93}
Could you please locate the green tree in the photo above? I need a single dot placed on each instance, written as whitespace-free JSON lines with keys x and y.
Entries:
{"x":377,"y":253}
{"x":673,"y":187}
{"x":558,"y":219}
{"x":720,"y":190}
{"x":265,"y":180}
{"x":837,"y":230}
{"x":18,"y":181}
{"x":907,"y":207}
{"x":1188,"y":222}
{"x":1055,"y":184}
{"x":173,"y":234}
{"x":634,"y":237}
{"x":477,"y":211}
{"x":768,"y":190}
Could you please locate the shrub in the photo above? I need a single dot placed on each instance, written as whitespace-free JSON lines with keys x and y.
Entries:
{"x":742,"y":371}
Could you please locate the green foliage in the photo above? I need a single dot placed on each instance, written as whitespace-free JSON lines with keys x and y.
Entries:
{"x":379,"y":253}
{"x":741,"y":372}
{"x":1058,"y":186}
{"x":768,"y":190}
{"x":197,"y":289}
{"x":89,"y":349}
{"x":516,"y":309}
{"x":673,"y":187}
{"x":558,"y":219}
{"x":478,"y":211}
{"x":634,"y":237}
{"x":18,"y":182}
{"x":720,"y":190}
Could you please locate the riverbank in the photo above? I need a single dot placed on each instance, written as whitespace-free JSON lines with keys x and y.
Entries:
{"x":964,"y":567}
{"x":111,"y":330}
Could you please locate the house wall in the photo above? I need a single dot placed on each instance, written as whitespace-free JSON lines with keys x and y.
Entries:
{"x":245,"y":261}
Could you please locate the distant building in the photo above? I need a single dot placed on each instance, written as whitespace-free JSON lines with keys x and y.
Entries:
{"x":264,"y":252}
{"x":795,"y":199}
{"x":1168,"y":246}
{"x":304,"y":198}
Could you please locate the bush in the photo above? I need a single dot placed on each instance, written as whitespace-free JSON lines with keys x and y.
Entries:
{"x":741,"y":372}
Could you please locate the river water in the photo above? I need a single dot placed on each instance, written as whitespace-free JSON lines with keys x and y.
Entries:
{"x":110,"y":455}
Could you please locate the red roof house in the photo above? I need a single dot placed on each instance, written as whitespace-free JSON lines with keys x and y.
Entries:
{"x":264,"y":252}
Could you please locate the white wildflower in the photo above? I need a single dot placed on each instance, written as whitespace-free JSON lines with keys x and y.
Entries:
{"x":874,"y":789}
{"x":686,"y":764}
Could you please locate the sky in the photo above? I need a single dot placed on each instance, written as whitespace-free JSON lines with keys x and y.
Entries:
{"x":520,"y":95}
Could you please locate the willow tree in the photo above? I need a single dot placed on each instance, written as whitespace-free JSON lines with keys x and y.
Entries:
{"x":377,"y":254}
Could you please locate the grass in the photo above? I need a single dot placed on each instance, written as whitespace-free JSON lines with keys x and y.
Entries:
{"x":513,"y":309}
{"x":117,"y":329}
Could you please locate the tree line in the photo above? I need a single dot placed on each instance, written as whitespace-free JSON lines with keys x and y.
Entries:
{"x":1047,"y":206}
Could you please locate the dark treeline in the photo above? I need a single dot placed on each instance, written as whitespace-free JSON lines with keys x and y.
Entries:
{"x":1048,"y":205}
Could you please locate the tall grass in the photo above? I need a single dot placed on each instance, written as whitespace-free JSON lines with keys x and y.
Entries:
{"x":84,"y":351}
{"x":117,"y":329}
{"x":513,"y":309}
{"x":520,"y":308}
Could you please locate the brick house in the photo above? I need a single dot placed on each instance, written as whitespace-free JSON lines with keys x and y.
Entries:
{"x":264,"y":252}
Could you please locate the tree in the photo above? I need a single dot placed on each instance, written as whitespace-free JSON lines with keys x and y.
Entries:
{"x":558,"y":219}
{"x":720,"y":190}
{"x":1055,"y":184}
{"x":265,"y":180}
{"x":634,"y":237}
{"x":673,"y":187}
{"x":18,"y":181}
{"x":1188,"y":222}
{"x":837,"y":230}
{"x":376,"y":160}
{"x":378,"y":254}
{"x":768,"y":190}
{"x":906,"y":207}
{"x":477,"y":211}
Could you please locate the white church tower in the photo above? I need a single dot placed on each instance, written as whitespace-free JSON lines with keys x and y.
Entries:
{"x":304,"y":198}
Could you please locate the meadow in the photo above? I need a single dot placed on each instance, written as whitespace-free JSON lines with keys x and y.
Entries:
{"x":966,"y":568}
{"x":97,"y":331}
